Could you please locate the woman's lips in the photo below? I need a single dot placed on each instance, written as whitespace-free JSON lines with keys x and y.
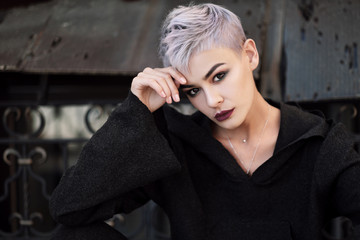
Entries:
{"x":223,"y":115}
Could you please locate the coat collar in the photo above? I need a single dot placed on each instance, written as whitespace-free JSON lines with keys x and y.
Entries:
{"x":295,"y":127}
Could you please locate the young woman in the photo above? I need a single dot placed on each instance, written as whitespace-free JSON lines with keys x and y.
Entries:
{"x":239,"y":168}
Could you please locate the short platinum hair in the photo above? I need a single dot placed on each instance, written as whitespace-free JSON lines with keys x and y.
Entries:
{"x":188,"y":30}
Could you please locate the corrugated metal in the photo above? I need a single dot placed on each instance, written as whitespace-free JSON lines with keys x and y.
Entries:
{"x":96,"y":36}
{"x":321,"y":40}
{"x":80,"y":36}
{"x":322,"y":47}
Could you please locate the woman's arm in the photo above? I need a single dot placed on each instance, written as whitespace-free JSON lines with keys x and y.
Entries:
{"x":125,"y":203}
{"x":338,"y":174}
{"x":347,"y":191}
{"x":124,"y":155}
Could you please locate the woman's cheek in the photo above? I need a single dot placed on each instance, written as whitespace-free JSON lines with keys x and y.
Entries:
{"x":197,"y":102}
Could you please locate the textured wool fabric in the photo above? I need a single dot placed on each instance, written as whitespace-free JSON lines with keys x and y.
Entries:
{"x":93,"y":231}
{"x":312,"y":177}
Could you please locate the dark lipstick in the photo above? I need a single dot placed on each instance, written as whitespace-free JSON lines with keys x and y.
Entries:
{"x":223,"y":115}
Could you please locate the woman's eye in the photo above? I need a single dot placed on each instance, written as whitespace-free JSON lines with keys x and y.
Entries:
{"x":192,"y":92}
{"x":219,"y":76}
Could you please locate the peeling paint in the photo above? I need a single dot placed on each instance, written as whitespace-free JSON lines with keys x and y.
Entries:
{"x":303,"y":34}
{"x":355,"y":55}
{"x":351,"y":54}
{"x":306,"y":9}
{"x":56,"y":41}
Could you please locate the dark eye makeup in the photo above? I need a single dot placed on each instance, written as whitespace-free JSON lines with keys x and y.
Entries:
{"x":192,"y":92}
{"x":217,"y":78}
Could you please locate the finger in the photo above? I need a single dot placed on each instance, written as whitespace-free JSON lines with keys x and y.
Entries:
{"x":172,"y":83}
{"x":177,"y":84}
{"x":150,"y":77}
{"x":175,"y":74}
{"x":178,"y":76}
{"x":157,"y":87}
{"x":167,"y":82}
{"x":145,"y":81}
{"x":173,"y":88}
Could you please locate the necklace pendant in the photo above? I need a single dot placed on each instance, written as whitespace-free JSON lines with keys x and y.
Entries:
{"x":257,"y":145}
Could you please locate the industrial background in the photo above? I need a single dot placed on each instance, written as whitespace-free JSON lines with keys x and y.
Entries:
{"x":64,"y":65}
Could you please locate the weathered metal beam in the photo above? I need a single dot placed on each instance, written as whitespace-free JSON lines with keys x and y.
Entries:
{"x":271,"y":60}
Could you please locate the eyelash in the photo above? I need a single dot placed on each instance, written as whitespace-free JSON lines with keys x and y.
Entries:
{"x":220,"y":77}
{"x":221,"y":74}
{"x":191,"y":92}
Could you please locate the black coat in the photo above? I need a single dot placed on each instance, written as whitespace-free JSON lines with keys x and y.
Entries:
{"x":312,"y":177}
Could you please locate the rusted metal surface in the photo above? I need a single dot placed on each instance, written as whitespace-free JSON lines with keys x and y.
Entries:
{"x":18,"y":31}
{"x":319,"y":40}
{"x":83,"y":36}
{"x":96,"y":37}
{"x":322,"y":48}
{"x":272,"y":53}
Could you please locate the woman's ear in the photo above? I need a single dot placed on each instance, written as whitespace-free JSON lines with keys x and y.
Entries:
{"x":252,"y":54}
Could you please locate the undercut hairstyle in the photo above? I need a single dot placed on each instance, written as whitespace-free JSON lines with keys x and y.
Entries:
{"x":189,"y":30}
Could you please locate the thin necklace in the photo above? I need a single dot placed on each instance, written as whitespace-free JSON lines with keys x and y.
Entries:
{"x":257,"y":145}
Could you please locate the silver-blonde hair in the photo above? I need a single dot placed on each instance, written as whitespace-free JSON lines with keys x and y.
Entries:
{"x":188,"y":30}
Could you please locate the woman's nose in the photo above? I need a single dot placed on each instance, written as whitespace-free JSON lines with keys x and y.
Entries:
{"x":213,"y":98}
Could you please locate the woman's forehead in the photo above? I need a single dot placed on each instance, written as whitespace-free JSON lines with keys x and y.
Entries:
{"x":200,"y":63}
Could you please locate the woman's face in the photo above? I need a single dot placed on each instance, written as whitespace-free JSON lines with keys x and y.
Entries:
{"x":220,"y":84}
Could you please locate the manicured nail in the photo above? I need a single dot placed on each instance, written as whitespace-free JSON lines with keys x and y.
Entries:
{"x":182,"y":80}
{"x":169,"y":100}
{"x":163,"y":94}
{"x":176,"y":98}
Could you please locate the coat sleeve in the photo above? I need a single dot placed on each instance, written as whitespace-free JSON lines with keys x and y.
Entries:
{"x":347,"y":191}
{"x":340,"y":175}
{"x":124,"y":155}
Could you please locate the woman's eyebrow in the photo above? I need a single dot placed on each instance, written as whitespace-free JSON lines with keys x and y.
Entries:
{"x":212,"y":70}
{"x":186,"y":86}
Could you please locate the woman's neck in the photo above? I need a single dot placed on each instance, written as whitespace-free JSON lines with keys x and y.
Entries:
{"x":252,"y":126}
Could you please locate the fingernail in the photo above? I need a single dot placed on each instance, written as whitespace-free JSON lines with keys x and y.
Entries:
{"x":176,"y":98}
{"x":182,"y":80}
{"x":163,"y":94}
{"x":168,"y":100}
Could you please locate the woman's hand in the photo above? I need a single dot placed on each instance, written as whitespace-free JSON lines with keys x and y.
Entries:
{"x":156,"y":86}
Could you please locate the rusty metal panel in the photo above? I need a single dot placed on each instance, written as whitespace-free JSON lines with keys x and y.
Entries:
{"x":91,"y":37}
{"x":321,"y":47}
{"x":82,"y":37}
{"x":270,"y":86}
{"x":100,"y":37}
{"x":18,"y":30}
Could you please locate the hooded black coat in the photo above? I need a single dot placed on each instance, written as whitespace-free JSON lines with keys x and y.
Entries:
{"x":312,"y":177}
